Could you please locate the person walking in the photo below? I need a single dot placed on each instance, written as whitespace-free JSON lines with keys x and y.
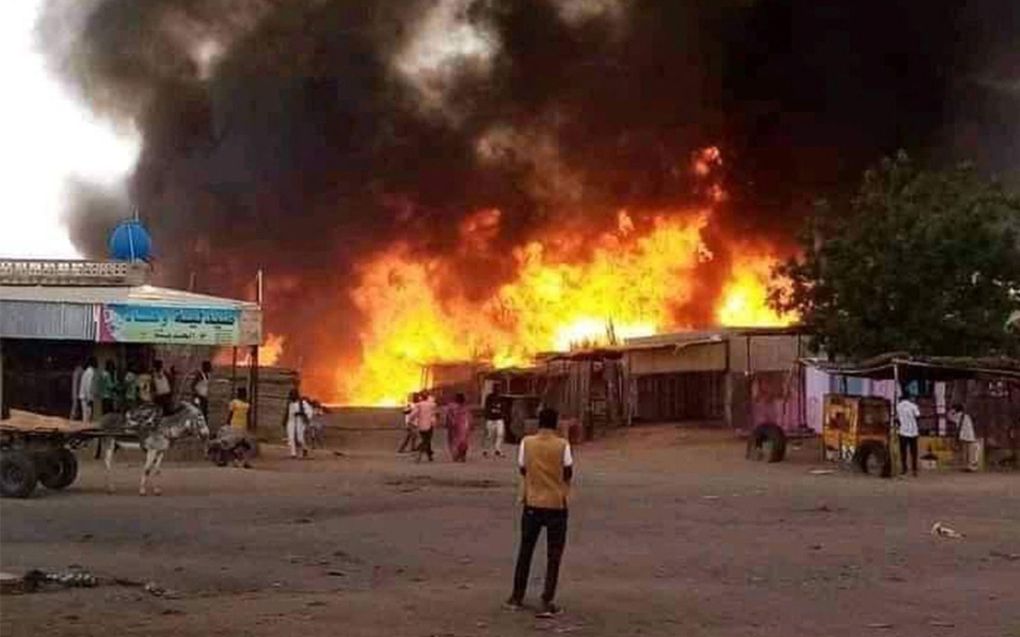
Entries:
{"x":965,"y":432}
{"x":200,"y":387}
{"x":907,"y":412}
{"x":547,"y":468}
{"x":459,"y":422}
{"x":495,"y":425}
{"x":87,"y":389}
{"x":161,"y":387}
{"x":424,"y":416}
{"x":410,"y":442}
{"x":297,"y":416}
{"x":75,"y":392}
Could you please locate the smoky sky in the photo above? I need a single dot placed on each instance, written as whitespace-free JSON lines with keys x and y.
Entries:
{"x":300,"y":135}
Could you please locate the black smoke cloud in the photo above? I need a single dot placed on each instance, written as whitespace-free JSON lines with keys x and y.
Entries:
{"x":300,"y":135}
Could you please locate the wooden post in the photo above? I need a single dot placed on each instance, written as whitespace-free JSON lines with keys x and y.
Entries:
{"x":3,"y":403}
{"x":253,"y":379}
{"x":894,"y":448}
{"x":253,"y":373}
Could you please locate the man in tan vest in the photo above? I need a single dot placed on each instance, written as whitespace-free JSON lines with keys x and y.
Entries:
{"x":546,"y":465}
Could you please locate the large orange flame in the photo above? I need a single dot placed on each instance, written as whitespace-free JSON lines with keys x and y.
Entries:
{"x":744,"y":301}
{"x":269,"y":353}
{"x":627,"y":286}
{"x":567,"y":291}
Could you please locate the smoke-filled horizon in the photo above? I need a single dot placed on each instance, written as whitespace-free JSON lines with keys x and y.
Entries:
{"x":302,"y":136}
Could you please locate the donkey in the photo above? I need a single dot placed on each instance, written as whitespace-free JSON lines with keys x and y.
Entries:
{"x":147,"y":429}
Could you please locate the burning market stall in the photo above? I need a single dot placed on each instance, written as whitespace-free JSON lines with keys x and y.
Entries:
{"x":988,"y":388}
{"x":587,"y":387}
{"x":740,"y":377}
{"x":56,"y":314}
{"x":520,"y":389}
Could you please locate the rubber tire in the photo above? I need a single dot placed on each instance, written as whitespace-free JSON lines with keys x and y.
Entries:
{"x":17,"y":474}
{"x":771,"y":434}
{"x":880,"y":453}
{"x":58,"y":469}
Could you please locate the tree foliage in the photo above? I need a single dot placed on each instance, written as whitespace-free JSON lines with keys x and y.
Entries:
{"x":921,"y":261}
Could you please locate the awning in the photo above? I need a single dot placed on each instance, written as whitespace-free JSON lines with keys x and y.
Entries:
{"x":921,"y":367}
{"x":127,"y":314}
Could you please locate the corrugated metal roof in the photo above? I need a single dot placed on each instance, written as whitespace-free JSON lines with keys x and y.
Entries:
{"x":704,"y":336}
{"x":135,"y":295}
{"x":882,"y":366}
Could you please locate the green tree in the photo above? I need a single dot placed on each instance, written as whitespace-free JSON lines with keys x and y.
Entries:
{"x":921,"y":261}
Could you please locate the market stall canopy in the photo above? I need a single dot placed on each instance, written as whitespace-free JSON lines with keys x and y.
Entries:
{"x":127,"y":314}
{"x":921,"y":367}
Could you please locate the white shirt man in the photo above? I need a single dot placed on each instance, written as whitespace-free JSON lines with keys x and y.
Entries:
{"x":967,"y":436}
{"x":547,"y":468}
{"x":907,"y":412}
{"x":424,"y":414}
{"x":86,"y":391}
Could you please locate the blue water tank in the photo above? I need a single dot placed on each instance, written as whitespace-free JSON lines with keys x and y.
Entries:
{"x":130,"y":241}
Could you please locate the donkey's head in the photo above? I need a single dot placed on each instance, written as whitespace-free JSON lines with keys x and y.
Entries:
{"x":188,"y":421}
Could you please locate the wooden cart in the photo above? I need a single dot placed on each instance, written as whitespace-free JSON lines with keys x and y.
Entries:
{"x":37,"y":449}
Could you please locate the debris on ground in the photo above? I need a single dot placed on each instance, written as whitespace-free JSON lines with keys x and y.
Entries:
{"x":879,"y":626}
{"x":937,"y":623}
{"x":35,"y":579}
{"x":10,"y":583}
{"x":1012,"y":557}
{"x":941,"y":530}
{"x":822,"y":472}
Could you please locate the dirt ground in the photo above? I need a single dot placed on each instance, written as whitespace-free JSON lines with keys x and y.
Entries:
{"x":672,"y":532}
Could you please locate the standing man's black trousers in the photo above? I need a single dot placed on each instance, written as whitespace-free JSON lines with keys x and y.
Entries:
{"x":532,"y":521}
{"x":425,"y":444}
{"x":908,"y":446}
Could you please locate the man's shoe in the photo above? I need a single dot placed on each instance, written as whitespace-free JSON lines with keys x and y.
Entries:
{"x":513,"y":605}
{"x":548,"y":610}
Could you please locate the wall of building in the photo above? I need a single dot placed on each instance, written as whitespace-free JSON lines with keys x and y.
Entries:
{"x":20,"y":319}
{"x":736,"y":358}
{"x":764,"y":353}
{"x":710,"y":357}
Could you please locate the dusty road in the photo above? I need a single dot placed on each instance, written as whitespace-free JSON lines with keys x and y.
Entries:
{"x":672,"y":533}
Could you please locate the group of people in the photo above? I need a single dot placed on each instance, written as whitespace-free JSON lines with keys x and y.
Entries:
{"x":111,"y":389}
{"x":546,"y":466}
{"x":423,"y":415}
{"x":907,"y":414}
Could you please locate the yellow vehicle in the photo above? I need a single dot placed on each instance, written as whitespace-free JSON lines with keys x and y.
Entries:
{"x":855,"y":431}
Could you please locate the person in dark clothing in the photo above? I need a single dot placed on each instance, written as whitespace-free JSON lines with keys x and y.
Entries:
{"x":162,"y":387}
{"x":108,"y":387}
{"x":495,"y":425}
{"x":547,"y":468}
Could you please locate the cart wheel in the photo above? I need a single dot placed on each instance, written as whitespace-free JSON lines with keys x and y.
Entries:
{"x":766,"y":443}
{"x":57,"y":468}
{"x":17,"y":474}
{"x":873,"y":459}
